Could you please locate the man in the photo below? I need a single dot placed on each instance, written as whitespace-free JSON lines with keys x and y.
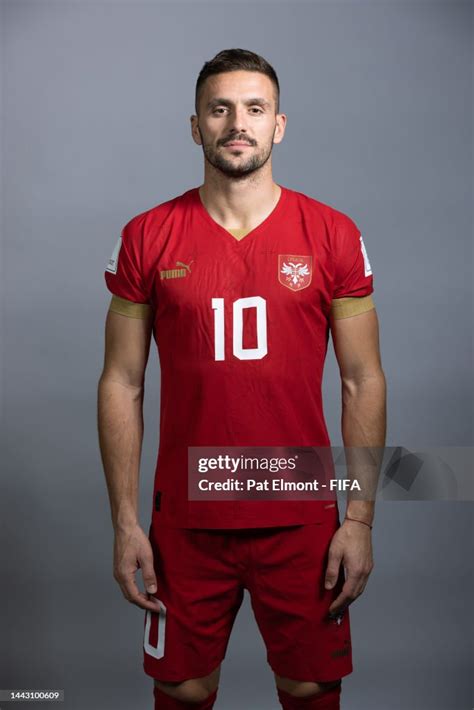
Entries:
{"x":240,"y":281}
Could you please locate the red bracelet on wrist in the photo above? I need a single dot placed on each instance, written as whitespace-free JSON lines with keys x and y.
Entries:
{"x":358,"y":521}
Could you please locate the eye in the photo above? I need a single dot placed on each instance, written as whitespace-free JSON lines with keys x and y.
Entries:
{"x":219,"y":109}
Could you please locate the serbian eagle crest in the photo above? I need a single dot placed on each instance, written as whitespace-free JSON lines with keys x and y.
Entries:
{"x":294,"y":272}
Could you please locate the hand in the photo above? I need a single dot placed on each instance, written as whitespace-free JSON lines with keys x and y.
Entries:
{"x":132,"y":549}
{"x":352,"y":545}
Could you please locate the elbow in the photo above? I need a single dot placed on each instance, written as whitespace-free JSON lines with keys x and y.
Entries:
{"x":372,"y":380}
{"x":110,"y":381}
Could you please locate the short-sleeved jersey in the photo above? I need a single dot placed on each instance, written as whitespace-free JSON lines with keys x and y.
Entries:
{"x":241,"y":325}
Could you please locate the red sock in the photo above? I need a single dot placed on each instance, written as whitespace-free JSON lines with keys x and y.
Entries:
{"x":327,"y":700}
{"x":163,"y":701}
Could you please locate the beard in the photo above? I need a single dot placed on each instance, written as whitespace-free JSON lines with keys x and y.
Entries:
{"x":237,"y":166}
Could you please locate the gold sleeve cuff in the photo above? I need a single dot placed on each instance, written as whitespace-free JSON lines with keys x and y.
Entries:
{"x":351,"y":306}
{"x":129,"y":308}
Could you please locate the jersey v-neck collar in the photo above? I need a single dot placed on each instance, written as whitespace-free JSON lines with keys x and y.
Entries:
{"x":218,"y":229}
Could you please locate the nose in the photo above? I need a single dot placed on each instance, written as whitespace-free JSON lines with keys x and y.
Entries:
{"x":237,"y":120}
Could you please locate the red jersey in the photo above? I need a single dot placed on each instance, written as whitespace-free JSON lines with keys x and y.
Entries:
{"x":241,"y":327}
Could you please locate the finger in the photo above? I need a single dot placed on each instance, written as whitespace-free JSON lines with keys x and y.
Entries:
{"x":332,"y":570}
{"x":345,"y":597}
{"x":130,"y":589}
{"x":140,"y":599}
{"x":133,"y":594}
{"x":148,"y":574}
{"x":147,"y":603}
{"x":341,"y":603}
{"x":353,"y":587}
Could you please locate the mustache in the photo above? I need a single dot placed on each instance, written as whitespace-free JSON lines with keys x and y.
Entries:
{"x":243,"y":139}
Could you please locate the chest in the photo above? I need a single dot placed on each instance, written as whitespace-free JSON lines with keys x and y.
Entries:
{"x":289,"y":270}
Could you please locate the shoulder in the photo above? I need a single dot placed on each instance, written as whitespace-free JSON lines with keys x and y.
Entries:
{"x":308,"y":206}
{"x":155,"y":217}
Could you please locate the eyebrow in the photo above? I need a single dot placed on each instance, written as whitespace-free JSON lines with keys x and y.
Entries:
{"x":249,"y":102}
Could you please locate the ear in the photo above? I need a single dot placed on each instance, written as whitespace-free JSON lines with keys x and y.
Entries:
{"x":281,"y":120}
{"x":195,"y":132}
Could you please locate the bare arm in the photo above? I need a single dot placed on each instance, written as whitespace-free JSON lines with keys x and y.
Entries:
{"x":363,"y":423}
{"x":120,"y":411}
{"x":356,"y":345}
{"x":120,"y":426}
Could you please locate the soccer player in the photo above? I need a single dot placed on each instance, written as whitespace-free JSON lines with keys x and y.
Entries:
{"x":240,"y":282}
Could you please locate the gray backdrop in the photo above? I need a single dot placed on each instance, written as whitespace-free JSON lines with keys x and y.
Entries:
{"x":96,"y":104}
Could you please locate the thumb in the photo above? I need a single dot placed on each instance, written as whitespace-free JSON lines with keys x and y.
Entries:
{"x":148,"y":574}
{"x":332,"y":571}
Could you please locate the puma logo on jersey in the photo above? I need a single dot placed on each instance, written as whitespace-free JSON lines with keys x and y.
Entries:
{"x":186,"y":266}
{"x":177,"y":273}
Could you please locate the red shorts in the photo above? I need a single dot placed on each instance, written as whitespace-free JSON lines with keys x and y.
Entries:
{"x":201,"y":577}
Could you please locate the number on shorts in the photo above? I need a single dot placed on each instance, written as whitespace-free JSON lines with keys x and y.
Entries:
{"x":159,"y":618}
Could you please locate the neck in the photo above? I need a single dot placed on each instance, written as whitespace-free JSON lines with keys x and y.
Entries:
{"x":239,"y":204}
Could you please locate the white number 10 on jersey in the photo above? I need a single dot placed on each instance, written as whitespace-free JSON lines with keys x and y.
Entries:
{"x":237,"y":330}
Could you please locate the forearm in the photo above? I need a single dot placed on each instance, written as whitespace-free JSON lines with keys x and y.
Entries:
{"x":363,"y":427}
{"x":120,"y":425}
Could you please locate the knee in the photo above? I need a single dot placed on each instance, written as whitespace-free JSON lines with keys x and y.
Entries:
{"x":192,"y":690}
{"x":305,"y":689}
{"x":187,"y":691}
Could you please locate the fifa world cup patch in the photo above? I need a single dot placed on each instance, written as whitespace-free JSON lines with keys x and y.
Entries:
{"x":295,"y":272}
{"x":367,"y":267}
{"x":113,"y":261}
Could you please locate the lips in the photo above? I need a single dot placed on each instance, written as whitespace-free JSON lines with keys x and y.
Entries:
{"x":237,"y":144}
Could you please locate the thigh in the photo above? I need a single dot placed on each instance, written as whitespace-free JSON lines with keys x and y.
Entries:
{"x":200,"y":593}
{"x":291,"y":604}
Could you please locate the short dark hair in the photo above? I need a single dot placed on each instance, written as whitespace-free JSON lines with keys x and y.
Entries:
{"x":236,"y":60}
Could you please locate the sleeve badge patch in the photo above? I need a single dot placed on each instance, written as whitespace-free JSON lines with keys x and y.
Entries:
{"x":367,"y":268}
{"x":113,"y":261}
